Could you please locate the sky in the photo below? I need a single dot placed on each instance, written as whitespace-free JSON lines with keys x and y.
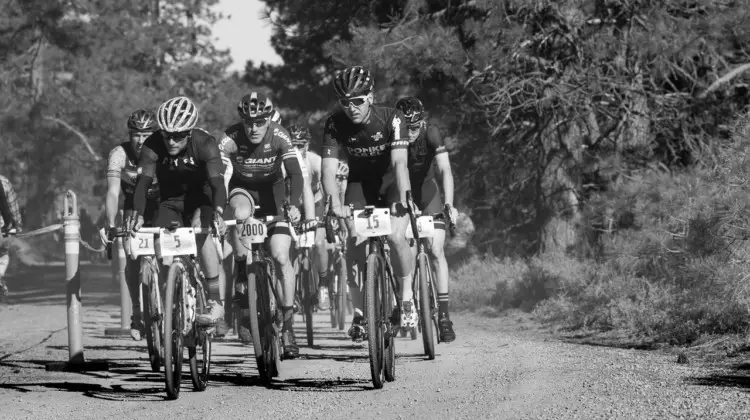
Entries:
{"x":244,"y":32}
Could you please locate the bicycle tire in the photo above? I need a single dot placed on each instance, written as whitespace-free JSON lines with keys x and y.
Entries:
{"x":341,"y":294}
{"x":425,"y":305}
{"x":173,"y":320}
{"x":434,"y":303}
{"x":150,"y":286}
{"x":387,"y":300}
{"x":200,"y":362}
{"x":373,"y":313}
{"x":265,"y":344}
{"x":308,"y":285}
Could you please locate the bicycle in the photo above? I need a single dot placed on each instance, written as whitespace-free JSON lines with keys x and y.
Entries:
{"x":307,"y":281}
{"x":184,"y":299}
{"x":380,"y":293}
{"x":339,"y":286}
{"x":141,"y":247}
{"x":264,"y":301}
{"x":422,"y":227}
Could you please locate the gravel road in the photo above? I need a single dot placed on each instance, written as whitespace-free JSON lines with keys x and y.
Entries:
{"x":497,"y":368}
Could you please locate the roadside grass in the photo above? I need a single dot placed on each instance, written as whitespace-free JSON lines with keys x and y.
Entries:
{"x":677,"y":274}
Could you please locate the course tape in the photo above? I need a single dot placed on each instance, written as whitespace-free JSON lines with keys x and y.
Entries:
{"x":53,"y":228}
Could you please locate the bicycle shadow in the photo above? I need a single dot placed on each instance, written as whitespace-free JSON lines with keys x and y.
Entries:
{"x":725,"y":378}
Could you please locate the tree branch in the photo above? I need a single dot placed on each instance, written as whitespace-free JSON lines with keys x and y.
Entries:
{"x":725,"y":78}
{"x":80,"y":135}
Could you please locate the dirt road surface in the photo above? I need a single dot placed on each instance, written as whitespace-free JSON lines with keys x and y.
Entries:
{"x":494,"y":370}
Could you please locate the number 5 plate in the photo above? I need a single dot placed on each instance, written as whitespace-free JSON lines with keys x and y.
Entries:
{"x":377,"y":224}
{"x":177,"y":242}
{"x":141,"y":244}
{"x":254,"y":231}
{"x":425,"y":228}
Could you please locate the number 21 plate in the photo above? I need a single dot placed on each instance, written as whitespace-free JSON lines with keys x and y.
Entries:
{"x":177,"y":242}
{"x":141,"y":244}
{"x":377,"y":224}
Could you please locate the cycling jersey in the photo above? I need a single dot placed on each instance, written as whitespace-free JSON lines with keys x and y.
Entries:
{"x":123,"y":164}
{"x":424,"y":145}
{"x":368,"y":145}
{"x":193,"y":176}
{"x":310,"y":163}
{"x":257,"y":166}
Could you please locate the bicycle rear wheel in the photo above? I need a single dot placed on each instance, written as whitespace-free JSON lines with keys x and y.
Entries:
{"x":425,"y":306}
{"x":174,"y":320}
{"x":263,"y":328}
{"x":199,"y":354}
{"x":152,"y":314}
{"x":341,"y":294}
{"x":373,"y":309}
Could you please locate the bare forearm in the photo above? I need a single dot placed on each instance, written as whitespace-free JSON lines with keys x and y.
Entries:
{"x":402,"y":180}
{"x":447,"y":180}
{"x":110,"y":207}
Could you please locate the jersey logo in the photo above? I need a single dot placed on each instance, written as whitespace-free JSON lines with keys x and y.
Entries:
{"x":377,"y":136}
{"x":353,"y":139}
{"x":266,"y":146}
{"x":259,"y":161}
{"x":367,"y":151}
{"x":280,"y":133}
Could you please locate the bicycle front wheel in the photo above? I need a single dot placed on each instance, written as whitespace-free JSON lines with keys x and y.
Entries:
{"x":373,"y":308}
{"x":308,"y":285}
{"x":199,"y":354}
{"x":152,"y":313}
{"x":174,"y":320}
{"x":263,"y":328}
{"x":426,"y":312}
{"x":341,"y":294}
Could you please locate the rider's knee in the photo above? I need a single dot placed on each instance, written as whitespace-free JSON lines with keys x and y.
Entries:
{"x":241,"y":207}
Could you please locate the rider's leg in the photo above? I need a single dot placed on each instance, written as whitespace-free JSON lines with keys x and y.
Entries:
{"x":211,"y":265}
{"x":280,"y":244}
{"x":355,"y":260}
{"x":402,"y":260}
{"x":133,"y":281}
{"x":321,"y":261}
{"x":4,"y":262}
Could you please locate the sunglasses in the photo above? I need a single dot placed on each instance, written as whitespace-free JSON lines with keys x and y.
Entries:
{"x":256,"y":122}
{"x":177,"y":137}
{"x":356,"y":101}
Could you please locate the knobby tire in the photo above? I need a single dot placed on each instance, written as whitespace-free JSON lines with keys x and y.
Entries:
{"x":173,"y":323}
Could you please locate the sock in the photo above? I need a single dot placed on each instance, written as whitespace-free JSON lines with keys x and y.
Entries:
{"x":408,"y":293}
{"x":288,"y":314}
{"x":323,"y":278}
{"x":214,"y":291}
{"x":443,"y":301}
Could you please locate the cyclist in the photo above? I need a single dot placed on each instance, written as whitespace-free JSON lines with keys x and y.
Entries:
{"x":187,"y":162}
{"x":374,"y":141}
{"x":122,"y":172}
{"x":312,"y":163}
{"x":10,"y":223}
{"x":427,"y":147}
{"x":260,"y":150}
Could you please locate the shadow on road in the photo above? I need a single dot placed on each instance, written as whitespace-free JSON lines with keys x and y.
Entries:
{"x":46,"y":286}
{"x":321,"y":385}
{"x":728,"y":379}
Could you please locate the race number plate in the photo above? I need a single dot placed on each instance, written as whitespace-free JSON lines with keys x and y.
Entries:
{"x":177,"y":242}
{"x":254,"y":231}
{"x":378,"y":223}
{"x":425,"y":228}
{"x":141,"y":244}
{"x":306,"y":240}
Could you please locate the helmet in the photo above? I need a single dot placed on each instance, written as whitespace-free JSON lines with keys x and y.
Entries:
{"x":276,"y":117}
{"x":142,"y":120}
{"x":412,"y":109}
{"x":352,"y":81}
{"x":177,"y":114}
{"x":300,"y":135}
{"x":255,"y":105}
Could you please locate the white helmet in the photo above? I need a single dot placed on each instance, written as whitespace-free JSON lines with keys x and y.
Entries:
{"x":177,"y":114}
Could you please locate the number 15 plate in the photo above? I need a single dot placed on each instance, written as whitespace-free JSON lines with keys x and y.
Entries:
{"x":177,"y":242}
{"x":377,"y":224}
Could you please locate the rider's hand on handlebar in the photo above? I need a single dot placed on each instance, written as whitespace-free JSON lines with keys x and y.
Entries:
{"x":294,"y":214}
{"x":134,"y":222}
{"x":309,"y":225}
{"x":452,"y":212}
{"x":342,"y":212}
{"x":219,"y":225}
{"x":401,"y":209}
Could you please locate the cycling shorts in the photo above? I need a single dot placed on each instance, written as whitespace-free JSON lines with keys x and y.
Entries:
{"x":270,"y":198}
{"x":192,"y":210}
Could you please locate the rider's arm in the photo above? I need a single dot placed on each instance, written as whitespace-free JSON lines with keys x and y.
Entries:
{"x":442,"y":162}
{"x":296,"y":180}
{"x":5,"y":208}
{"x":227,"y":148}
{"x":147,"y":173}
{"x":308,"y":199}
{"x":215,"y":172}
{"x":330,"y":163}
{"x":400,"y":154}
{"x":115,"y":165}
